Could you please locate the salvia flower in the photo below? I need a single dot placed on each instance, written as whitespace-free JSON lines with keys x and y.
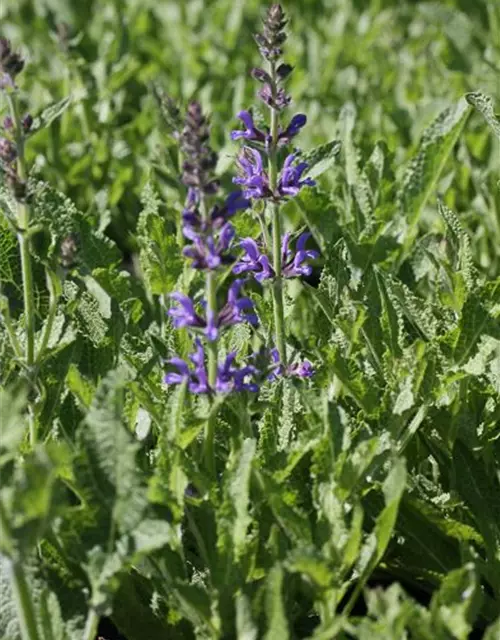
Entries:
{"x":301,"y":369}
{"x":252,"y":178}
{"x":294,"y":264}
{"x":229,"y":377}
{"x":207,"y":253}
{"x":236,"y":310}
{"x":251,"y":132}
{"x":253,"y":261}
{"x":290,"y":182}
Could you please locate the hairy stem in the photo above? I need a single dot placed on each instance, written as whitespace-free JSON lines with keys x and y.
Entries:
{"x":212,"y":347}
{"x":91,"y":625}
{"x":279,"y":314}
{"x":23,"y":219}
{"x":24,"y":604}
{"x":53,"y":298}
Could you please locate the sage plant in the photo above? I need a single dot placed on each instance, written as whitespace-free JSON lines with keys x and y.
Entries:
{"x":271,"y":181}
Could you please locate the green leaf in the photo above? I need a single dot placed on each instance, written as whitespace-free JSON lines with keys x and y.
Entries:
{"x":48,"y":115}
{"x":481,"y":493}
{"x":239,"y":490}
{"x":321,"y":158}
{"x":159,"y":255}
{"x":425,"y":168}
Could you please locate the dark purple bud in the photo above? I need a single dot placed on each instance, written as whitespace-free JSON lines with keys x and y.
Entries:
{"x":8,"y":123}
{"x":284,"y":70}
{"x":261,"y":75}
{"x":27,"y":122}
{"x":279,"y":100}
{"x":8,"y":150}
{"x":11,"y":63}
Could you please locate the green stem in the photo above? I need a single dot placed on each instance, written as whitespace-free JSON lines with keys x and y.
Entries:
{"x":279,"y":314}
{"x":212,"y":347}
{"x":24,"y":604}
{"x":91,"y":625}
{"x":6,"y":319}
{"x":53,"y":298}
{"x":23,"y":219}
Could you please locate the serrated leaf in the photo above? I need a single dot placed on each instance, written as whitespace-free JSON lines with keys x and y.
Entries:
{"x":425,"y":168}
{"x":321,"y":158}
{"x":48,"y":115}
{"x":484,"y":104}
{"x":159,"y":255}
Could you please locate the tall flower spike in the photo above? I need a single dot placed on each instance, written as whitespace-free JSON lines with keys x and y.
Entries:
{"x":198,"y":168}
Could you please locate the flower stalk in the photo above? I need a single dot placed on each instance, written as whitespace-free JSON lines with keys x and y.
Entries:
{"x":14,"y":163}
{"x":278,"y":306}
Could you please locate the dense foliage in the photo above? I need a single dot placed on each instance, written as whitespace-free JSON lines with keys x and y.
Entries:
{"x":345,"y":484}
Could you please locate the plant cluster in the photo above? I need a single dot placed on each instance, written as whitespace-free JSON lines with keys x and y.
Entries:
{"x":281,"y":419}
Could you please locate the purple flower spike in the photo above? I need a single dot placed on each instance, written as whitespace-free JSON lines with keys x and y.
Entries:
{"x":253,"y":177}
{"x":236,"y":309}
{"x":293,"y":264}
{"x":184,"y":315}
{"x":290,"y":182}
{"x":253,"y":261}
{"x":251,"y":132}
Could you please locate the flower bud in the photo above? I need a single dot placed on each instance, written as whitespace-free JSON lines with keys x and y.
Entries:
{"x":8,"y":151}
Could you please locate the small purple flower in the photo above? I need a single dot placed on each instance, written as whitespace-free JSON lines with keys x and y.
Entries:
{"x":199,"y":377}
{"x":251,"y":132}
{"x":290,"y":181}
{"x":293,"y":265}
{"x":184,"y":315}
{"x":253,"y":261}
{"x":253,"y":177}
{"x":302,"y":369}
{"x":236,"y":309}
{"x":230,"y":378}
{"x":8,"y":123}
{"x":296,"y":124}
